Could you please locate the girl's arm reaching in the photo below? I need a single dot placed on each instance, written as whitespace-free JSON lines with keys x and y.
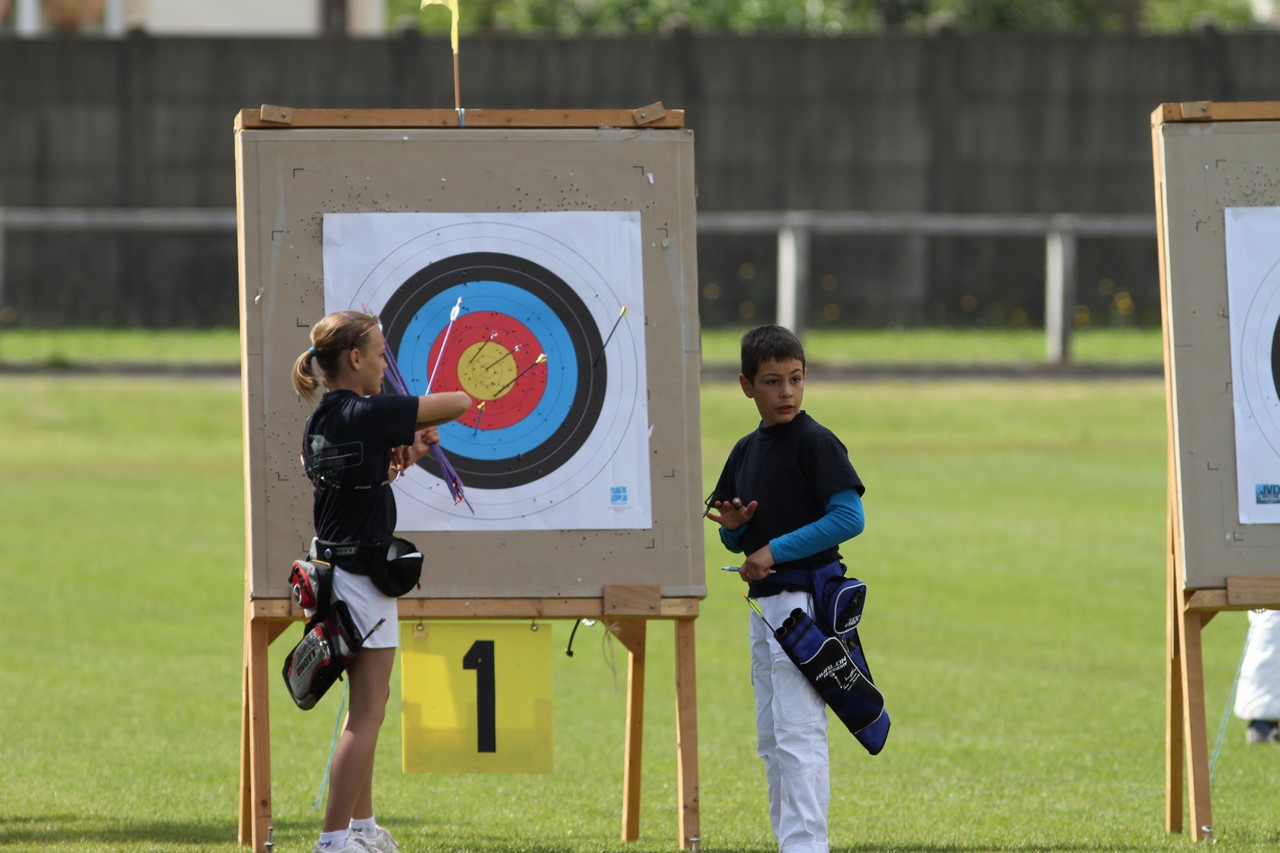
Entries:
{"x":442,"y":407}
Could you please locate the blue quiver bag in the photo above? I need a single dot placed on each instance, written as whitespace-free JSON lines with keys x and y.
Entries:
{"x":837,"y":601}
{"x":837,"y":669}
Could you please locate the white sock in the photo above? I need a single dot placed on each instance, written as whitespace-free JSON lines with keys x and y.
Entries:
{"x":365,"y":826}
{"x":335,"y":840}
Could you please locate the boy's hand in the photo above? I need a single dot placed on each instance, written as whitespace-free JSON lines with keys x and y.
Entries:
{"x":758,"y":566}
{"x":732,"y":514}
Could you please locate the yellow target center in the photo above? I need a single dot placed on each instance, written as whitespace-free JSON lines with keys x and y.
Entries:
{"x":486,"y":370}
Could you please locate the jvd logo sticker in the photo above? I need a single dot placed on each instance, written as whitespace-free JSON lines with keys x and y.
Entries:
{"x":1267,"y":493}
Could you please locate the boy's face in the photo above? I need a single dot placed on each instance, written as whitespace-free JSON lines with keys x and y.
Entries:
{"x":778,"y":390}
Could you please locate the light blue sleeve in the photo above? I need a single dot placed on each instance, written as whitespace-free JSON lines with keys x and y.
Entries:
{"x":844,"y":520}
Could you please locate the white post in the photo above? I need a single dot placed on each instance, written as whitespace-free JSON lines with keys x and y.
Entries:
{"x":786,"y":276}
{"x":1059,"y":290}
{"x":793,"y":270}
{"x":113,"y":19}
{"x":27,"y":18}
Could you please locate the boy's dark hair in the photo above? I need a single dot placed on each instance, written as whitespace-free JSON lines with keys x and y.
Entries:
{"x":766,"y":343}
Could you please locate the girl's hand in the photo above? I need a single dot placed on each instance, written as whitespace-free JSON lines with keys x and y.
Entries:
{"x":423,"y":439}
{"x":406,"y":455}
{"x":731,"y":514}
{"x":399,"y":461}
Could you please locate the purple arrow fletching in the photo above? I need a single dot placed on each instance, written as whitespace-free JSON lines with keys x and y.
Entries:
{"x":447,"y":472}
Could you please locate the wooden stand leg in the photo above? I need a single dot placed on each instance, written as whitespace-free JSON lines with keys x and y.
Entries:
{"x":246,"y":780}
{"x":255,"y":734}
{"x":1195,"y":729}
{"x":1173,"y":743}
{"x":259,"y":736}
{"x":632,"y":635}
{"x":687,"y":734}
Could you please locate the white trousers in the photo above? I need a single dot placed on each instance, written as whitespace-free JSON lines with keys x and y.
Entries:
{"x":791,"y":733}
{"x":1258,"y":695}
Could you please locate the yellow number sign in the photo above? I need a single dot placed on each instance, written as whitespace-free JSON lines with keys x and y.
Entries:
{"x":476,"y":697}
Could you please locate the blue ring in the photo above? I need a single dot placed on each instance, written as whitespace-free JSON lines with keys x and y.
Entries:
{"x":430,"y":321}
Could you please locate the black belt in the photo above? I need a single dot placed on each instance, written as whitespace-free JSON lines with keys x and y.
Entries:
{"x":364,"y":551}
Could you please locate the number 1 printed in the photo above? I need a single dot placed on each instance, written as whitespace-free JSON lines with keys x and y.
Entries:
{"x":480,"y":658}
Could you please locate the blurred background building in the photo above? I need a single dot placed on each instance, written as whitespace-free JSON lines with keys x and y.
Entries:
{"x":113,"y":18}
{"x":972,"y":108}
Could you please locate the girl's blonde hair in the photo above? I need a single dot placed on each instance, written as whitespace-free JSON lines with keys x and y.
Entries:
{"x":330,"y":340}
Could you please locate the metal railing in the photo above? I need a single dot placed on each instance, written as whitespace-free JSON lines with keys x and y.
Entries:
{"x":111,"y":219}
{"x":793,"y":229}
{"x":1060,"y":232}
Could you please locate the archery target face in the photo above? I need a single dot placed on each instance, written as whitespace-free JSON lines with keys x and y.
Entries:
{"x":557,"y":436}
{"x":1259,"y":359}
{"x":1253,"y":284}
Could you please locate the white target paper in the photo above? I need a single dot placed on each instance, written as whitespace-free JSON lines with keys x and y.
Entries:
{"x":559,"y":444}
{"x":1253,"y":290}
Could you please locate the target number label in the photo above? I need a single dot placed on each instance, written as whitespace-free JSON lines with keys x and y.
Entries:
{"x":480,"y":658}
{"x":476,"y":697}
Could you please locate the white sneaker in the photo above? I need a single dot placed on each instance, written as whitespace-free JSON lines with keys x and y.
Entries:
{"x":382,"y":841}
{"x":357,"y":844}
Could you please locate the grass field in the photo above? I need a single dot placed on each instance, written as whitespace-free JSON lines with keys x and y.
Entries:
{"x":67,"y":347}
{"x":1015,"y":620}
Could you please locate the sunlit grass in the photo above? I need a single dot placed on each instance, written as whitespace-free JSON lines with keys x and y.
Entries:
{"x":97,"y":346}
{"x":824,"y":348}
{"x":1014,"y":553}
{"x":949,"y":346}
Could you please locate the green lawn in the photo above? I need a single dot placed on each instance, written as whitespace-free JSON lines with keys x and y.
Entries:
{"x":972,"y":346}
{"x":66,"y":347}
{"x":1015,"y":620}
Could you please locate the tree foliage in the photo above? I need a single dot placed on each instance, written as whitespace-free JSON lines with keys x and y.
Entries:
{"x":830,"y":17}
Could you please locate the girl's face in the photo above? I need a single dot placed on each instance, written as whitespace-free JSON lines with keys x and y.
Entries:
{"x":369,"y":362}
{"x":778,"y":390}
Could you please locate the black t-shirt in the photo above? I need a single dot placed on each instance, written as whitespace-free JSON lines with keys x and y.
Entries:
{"x":791,"y":470}
{"x":346,"y":451}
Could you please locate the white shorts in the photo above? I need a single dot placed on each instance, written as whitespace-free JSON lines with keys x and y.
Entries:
{"x":367,"y":606}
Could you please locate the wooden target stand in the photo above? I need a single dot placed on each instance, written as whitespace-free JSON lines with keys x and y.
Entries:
{"x":634,"y":146}
{"x":1186,"y":732}
{"x":1194,"y":325}
{"x":625,"y":610}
